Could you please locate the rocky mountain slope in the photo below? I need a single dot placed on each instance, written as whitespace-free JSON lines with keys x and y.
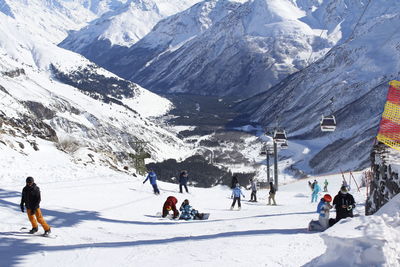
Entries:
{"x":356,"y":75}
{"x":96,"y":117}
{"x":229,"y":47}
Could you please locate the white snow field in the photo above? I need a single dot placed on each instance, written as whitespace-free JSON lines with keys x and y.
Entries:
{"x":103,"y":218}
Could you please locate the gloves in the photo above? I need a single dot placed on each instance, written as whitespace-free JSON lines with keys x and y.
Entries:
{"x":22,"y":208}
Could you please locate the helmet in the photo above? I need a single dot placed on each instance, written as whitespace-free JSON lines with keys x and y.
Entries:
{"x":168,"y":208}
{"x":29,"y":180}
{"x":327,"y":198}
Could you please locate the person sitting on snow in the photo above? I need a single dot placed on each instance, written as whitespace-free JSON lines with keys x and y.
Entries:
{"x":323,"y":209}
{"x":236,"y":193}
{"x":188,"y":213}
{"x":170,"y":204}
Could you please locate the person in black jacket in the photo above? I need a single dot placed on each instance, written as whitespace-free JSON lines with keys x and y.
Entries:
{"x":31,"y":200}
{"x":344,"y":204}
{"x":272,"y":192}
{"x":183,"y":179}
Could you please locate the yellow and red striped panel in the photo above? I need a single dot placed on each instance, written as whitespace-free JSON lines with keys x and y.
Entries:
{"x":389,"y":128}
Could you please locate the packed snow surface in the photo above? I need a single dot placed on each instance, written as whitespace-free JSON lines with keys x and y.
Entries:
{"x":102,"y":218}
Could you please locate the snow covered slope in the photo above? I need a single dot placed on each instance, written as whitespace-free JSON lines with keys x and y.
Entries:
{"x":356,"y":75}
{"x":229,"y":48}
{"x":92,"y":114}
{"x":101,"y":218}
{"x":122,"y":27}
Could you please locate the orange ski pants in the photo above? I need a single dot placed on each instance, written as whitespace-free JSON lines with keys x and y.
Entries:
{"x":39,"y":218}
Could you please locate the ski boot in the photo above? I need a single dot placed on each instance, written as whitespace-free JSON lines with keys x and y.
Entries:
{"x":47,"y":232}
{"x":33,"y":230}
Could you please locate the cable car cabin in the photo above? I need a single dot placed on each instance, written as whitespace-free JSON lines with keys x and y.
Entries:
{"x":284,"y":145}
{"x":328,"y":123}
{"x":280,"y":136}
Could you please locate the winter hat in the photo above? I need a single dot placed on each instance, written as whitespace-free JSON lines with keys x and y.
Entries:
{"x":29,"y":179}
{"x":186,"y":202}
{"x":343,"y":189}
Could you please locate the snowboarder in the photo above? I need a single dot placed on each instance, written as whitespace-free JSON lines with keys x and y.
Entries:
{"x":316,"y":190}
{"x":183,"y":179}
{"x":234,"y":182}
{"x":323,"y":210}
{"x":272,"y":192}
{"x":344,"y":204}
{"x":170,"y":204}
{"x":326,"y":185}
{"x":188,"y":213}
{"x":236,"y":193}
{"x":253,"y":185}
{"x":31,"y":200}
{"x":152,"y":177}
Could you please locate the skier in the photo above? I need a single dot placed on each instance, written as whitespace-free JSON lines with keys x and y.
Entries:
{"x":31,"y":200}
{"x":188,"y":213}
{"x":316,"y":190}
{"x":152,"y":177}
{"x":344,"y":204}
{"x":272,"y":192}
{"x":170,"y":204}
{"x":234,"y":182}
{"x":323,"y":210}
{"x":236,"y":193}
{"x":183,"y":179}
{"x":310,"y":185}
{"x":326,"y":185}
{"x":253,"y":185}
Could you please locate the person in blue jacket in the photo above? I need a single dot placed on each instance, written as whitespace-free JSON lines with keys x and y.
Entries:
{"x":316,"y":190}
{"x":152,"y":177}
{"x":183,"y":179}
{"x":188,"y":213}
{"x":236,"y":193}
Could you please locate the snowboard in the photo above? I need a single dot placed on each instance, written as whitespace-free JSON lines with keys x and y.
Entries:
{"x":205,"y":217}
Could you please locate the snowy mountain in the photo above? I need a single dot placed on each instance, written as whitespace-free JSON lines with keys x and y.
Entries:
{"x":356,"y":75}
{"x":122,"y":27}
{"x":229,"y":47}
{"x":96,"y":117}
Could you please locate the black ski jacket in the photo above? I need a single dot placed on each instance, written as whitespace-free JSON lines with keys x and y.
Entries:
{"x":31,"y":197}
{"x":341,"y":200}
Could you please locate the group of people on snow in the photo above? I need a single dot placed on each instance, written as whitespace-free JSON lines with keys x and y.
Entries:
{"x":187,"y":211}
{"x":183,"y":180}
{"x":343,"y":203}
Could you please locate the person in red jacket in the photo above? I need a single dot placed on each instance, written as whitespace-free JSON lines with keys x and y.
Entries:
{"x":170,"y":204}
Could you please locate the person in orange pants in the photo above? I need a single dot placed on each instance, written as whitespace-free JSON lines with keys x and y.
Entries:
{"x":31,"y":200}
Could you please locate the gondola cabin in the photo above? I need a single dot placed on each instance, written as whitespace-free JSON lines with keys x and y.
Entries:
{"x":280,"y":136}
{"x":328,"y":123}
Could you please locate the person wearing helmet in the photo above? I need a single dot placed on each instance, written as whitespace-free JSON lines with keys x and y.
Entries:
{"x":344,"y":204}
{"x":31,"y":199}
{"x":323,"y":209}
{"x":170,"y":204}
